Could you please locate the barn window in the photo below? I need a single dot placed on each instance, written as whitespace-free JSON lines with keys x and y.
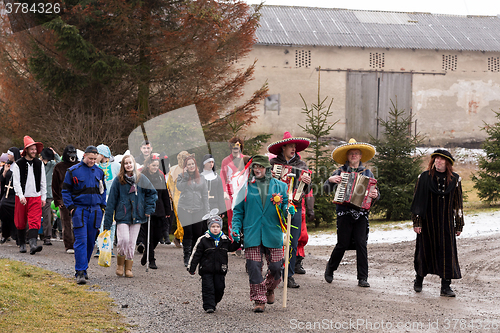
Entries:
{"x":302,"y":58}
{"x":450,"y":62}
{"x":377,"y":60}
{"x":494,"y":64}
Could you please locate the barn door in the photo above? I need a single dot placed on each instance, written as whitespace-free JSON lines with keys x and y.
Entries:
{"x":369,"y":98}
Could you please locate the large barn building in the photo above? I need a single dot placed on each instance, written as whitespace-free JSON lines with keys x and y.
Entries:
{"x":443,"y":70}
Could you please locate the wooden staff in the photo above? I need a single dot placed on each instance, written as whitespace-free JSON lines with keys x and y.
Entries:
{"x":287,"y":238}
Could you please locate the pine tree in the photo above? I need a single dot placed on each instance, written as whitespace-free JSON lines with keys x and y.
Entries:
{"x":487,"y":179}
{"x":318,"y":126}
{"x":397,"y":166}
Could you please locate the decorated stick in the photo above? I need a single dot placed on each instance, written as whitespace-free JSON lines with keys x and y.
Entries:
{"x":287,"y":238}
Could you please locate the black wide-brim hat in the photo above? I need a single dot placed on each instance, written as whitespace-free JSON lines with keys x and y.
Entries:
{"x":443,"y":153}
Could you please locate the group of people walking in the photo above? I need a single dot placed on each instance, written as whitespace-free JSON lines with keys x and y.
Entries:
{"x":142,"y":200}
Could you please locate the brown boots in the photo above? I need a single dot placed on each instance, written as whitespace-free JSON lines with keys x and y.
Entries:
{"x":120,"y":262}
{"x":128,"y":268}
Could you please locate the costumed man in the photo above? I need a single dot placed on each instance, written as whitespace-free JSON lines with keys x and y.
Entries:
{"x":258,"y":215}
{"x":286,"y":151}
{"x":111,"y":170}
{"x":352,"y":222}
{"x":28,"y":175}
{"x":49,"y":158}
{"x":8,"y":202}
{"x":84,"y":194}
{"x":437,"y":214}
{"x":69,"y":158}
{"x":175,"y":194}
{"x":230,"y":165}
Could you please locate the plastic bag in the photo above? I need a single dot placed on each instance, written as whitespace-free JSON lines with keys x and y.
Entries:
{"x":104,"y":243}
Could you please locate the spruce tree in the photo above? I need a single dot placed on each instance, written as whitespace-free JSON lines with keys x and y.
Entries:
{"x":318,"y":126}
{"x":397,"y":166}
{"x":487,"y":179}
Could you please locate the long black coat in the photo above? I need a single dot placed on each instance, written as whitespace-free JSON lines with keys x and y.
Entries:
{"x":438,"y":209}
{"x":211,"y":259}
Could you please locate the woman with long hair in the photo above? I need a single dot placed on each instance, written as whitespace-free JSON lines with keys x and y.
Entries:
{"x":132,"y":199}
{"x":437,"y":214}
{"x":162,"y":212}
{"x":192,"y":205}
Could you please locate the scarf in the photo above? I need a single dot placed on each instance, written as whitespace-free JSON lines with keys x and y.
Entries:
{"x":215,"y":237}
{"x":131,"y":181}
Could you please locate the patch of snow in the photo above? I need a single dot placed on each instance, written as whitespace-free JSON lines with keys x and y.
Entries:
{"x":479,"y":224}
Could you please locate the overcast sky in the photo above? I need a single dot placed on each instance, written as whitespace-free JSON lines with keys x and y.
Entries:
{"x":455,"y":7}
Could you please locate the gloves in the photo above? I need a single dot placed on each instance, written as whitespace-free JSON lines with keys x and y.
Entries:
{"x":236,"y":236}
{"x":291,"y":210}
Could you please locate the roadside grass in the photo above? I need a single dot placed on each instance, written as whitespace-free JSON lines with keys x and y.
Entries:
{"x":36,"y":300}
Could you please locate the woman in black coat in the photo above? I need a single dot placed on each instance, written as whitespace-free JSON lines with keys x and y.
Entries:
{"x":192,"y":205}
{"x":162,"y":213}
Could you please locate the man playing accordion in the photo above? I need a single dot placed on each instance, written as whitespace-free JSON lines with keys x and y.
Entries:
{"x":352,"y":222}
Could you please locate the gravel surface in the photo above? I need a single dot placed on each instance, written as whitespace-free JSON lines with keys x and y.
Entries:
{"x":169,"y":299}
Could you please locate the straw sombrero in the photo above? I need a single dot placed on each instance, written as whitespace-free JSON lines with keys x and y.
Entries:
{"x":300,"y":144}
{"x":339,"y":154}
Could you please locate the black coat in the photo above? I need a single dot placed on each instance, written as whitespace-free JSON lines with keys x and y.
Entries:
{"x":163,"y":207}
{"x":212,"y":259}
{"x":438,"y":209}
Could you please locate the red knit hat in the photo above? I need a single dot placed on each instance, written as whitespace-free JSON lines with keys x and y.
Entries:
{"x":28,"y":141}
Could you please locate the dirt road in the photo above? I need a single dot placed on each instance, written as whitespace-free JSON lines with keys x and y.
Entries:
{"x":169,"y":299}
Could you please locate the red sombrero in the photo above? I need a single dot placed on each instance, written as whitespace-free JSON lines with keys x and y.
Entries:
{"x":28,"y":141}
{"x":300,"y":144}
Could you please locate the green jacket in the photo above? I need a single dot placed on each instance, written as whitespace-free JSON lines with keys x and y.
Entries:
{"x":260,"y":225}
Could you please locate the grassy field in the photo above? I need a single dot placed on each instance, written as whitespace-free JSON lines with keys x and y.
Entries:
{"x":33,"y":299}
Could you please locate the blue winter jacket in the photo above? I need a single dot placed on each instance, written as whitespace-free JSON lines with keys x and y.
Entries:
{"x":130,"y":207}
{"x":82,"y":187}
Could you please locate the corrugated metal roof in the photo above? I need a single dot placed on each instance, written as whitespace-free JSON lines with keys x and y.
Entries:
{"x":303,"y":26}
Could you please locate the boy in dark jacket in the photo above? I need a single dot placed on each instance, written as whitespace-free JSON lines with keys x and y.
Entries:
{"x":210,"y":252}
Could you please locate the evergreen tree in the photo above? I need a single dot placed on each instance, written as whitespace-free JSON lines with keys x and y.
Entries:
{"x":487,"y":179}
{"x":318,"y":126}
{"x":397,"y":166}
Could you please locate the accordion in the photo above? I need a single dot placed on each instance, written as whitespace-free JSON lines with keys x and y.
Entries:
{"x":299,"y":191}
{"x":281,"y":172}
{"x":353,"y":190}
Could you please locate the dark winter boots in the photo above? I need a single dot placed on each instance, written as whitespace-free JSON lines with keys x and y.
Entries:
{"x":32,"y":238}
{"x":186,"y":245}
{"x":417,"y":283}
{"x":445,"y":288}
{"x":21,"y":236}
{"x":299,"y":269}
{"x":328,"y":273}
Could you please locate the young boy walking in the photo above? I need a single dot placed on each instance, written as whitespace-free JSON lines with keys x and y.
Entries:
{"x":210,"y":253}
